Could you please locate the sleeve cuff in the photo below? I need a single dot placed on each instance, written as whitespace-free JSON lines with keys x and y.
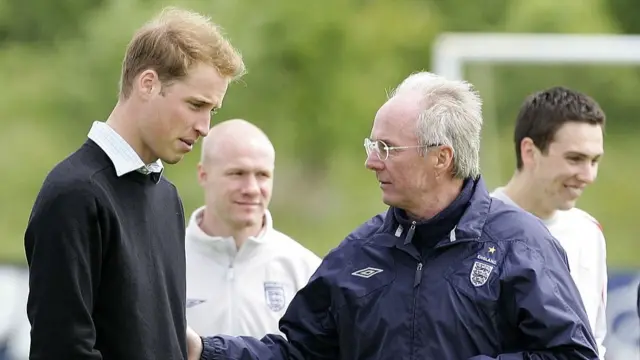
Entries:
{"x":208,"y":348}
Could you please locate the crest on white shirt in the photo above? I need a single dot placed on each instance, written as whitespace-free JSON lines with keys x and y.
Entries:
{"x":274,"y":295}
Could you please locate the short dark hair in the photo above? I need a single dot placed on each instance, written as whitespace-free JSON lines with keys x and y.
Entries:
{"x":543,"y":113}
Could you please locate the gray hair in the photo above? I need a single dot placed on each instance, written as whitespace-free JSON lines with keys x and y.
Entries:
{"x":451,"y":115}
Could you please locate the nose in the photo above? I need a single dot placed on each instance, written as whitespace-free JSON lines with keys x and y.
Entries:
{"x":252,"y":187}
{"x":588,"y":173}
{"x":203,"y":125}
{"x":373,"y":162}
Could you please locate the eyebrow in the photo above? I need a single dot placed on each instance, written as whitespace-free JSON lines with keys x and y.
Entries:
{"x":583,"y":155}
{"x":248,"y":168}
{"x":205,"y":101}
{"x":385,"y":140}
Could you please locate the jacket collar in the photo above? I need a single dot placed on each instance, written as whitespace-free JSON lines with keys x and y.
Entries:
{"x":468,"y":228}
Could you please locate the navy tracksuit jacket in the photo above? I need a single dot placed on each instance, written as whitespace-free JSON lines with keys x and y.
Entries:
{"x":481,"y":280}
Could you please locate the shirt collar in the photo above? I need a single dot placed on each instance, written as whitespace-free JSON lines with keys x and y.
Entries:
{"x":124,"y":158}
{"x":499,"y":193}
{"x":194,"y":231}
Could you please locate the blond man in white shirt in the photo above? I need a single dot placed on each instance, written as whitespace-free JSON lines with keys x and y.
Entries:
{"x":559,"y":142}
{"x":241,"y":272}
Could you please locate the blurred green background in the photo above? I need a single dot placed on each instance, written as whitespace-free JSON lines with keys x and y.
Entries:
{"x":318,"y":71}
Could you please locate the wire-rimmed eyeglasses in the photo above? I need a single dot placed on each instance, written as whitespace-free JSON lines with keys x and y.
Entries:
{"x":381,"y":149}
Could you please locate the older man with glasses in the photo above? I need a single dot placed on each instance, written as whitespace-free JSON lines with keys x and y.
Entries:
{"x":446,"y":272}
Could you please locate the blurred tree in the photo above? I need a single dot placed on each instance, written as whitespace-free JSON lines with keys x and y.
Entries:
{"x":625,"y":13}
{"x":583,"y":17}
{"x":464,"y":15}
{"x":43,"y":21}
{"x":559,"y":16}
{"x":308,"y":62}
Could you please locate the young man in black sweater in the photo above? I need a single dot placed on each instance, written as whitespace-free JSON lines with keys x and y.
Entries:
{"x":105,"y":239}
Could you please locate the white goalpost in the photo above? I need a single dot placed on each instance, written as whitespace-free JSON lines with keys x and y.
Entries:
{"x":452,"y":51}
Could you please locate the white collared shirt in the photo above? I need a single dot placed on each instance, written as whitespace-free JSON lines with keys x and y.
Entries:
{"x":583,"y":240}
{"x":246,"y":291}
{"x":124,"y":158}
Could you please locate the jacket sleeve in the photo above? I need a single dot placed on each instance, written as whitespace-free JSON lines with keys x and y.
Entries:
{"x":63,"y":250}
{"x":545,"y":305}
{"x":307,"y":324}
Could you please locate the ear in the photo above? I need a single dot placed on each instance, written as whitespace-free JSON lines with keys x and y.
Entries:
{"x":202,"y":175}
{"x":529,"y":152}
{"x":444,"y":159}
{"x":148,"y":83}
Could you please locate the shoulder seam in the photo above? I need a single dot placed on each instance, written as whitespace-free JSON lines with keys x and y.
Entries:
{"x":590,"y":218}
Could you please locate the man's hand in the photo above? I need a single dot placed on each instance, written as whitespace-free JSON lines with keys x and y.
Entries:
{"x":194,"y":344}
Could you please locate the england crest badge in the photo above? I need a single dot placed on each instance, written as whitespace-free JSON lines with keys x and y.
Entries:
{"x":480,"y":273}
{"x":274,"y":295}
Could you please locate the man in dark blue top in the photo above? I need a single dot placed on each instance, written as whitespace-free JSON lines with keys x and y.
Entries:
{"x":446,"y":273}
{"x":105,"y":238}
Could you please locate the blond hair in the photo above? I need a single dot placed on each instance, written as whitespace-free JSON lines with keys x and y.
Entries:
{"x":172,"y":43}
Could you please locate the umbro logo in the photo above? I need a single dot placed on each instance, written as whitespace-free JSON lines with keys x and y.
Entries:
{"x":366,"y":272}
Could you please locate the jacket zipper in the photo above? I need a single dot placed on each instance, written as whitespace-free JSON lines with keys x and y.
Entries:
{"x":231,"y":296}
{"x":416,"y":292}
{"x":416,"y":289}
{"x":418,"y":280}
{"x":410,"y":233}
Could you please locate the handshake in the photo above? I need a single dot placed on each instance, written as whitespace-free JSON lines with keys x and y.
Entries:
{"x":194,"y":345}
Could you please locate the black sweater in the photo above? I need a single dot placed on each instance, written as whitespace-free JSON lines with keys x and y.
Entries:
{"x":106,"y":264}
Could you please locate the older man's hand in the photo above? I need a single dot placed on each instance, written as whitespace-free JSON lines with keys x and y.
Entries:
{"x":194,"y":344}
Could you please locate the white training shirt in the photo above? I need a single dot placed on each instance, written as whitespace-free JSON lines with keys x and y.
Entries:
{"x":583,"y":240}
{"x":14,"y":324}
{"x":243,"y":292}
